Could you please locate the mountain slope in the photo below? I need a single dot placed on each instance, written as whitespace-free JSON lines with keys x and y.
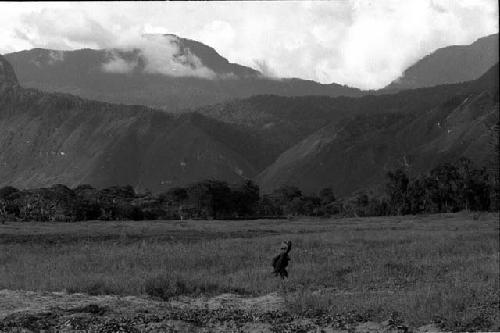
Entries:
{"x":150,"y":76}
{"x":356,"y":153}
{"x":209,"y":57}
{"x":49,"y":138}
{"x":450,"y":64}
{"x":309,"y":141}
{"x":8,"y":79}
{"x":137,"y":76}
{"x":281,"y":122}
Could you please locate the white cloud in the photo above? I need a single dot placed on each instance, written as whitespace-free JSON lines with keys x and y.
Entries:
{"x":60,"y":29}
{"x":117,"y":64}
{"x":161,"y":55}
{"x":55,"y":56}
{"x":361,"y":43}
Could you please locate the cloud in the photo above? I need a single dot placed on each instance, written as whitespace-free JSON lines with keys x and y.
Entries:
{"x":262,"y":66}
{"x":55,"y":56}
{"x":116,"y":64}
{"x":361,"y":43}
{"x":163,"y":56}
{"x":63,"y":29}
{"x":160,"y":54}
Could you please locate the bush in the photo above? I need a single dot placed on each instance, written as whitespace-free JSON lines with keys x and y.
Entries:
{"x":95,"y":287}
{"x":166,"y":287}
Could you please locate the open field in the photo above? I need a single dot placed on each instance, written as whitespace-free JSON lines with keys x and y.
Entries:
{"x":419,"y":269}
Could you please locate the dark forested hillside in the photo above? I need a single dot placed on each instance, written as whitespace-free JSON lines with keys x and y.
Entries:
{"x":284,"y":121}
{"x":356,"y":153}
{"x":309,"y":141}
{"x":49,"y":138}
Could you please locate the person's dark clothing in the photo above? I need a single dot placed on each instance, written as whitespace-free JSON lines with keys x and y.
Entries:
{"x":280,"y":262}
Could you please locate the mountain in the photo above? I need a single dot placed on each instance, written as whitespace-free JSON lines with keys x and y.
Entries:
{"x":355,"y":153}
{"x":208,"y":56}
{"x":310,"y":141}
{"x":50,"y":138}
{"x":8,"y":79}
{"x":175,"y":74}
{"x":152,"y":75}
{"x":282,"y":122}
{"x":452,"y":64}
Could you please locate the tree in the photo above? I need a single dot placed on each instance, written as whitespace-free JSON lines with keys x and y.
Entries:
{"x":310,"y":205}
{"x":115,"y":202}
{"x":286,"y":197}
{"x":147,"y":206}
{"x":36,"y":205}
{"x":476,"y":190}
{"x":494,"y":168}
{"x":245,"y":198}
{"x":326,"y":195}
{"x":8,"y":195}
{"x":63,"y":201}
{"x":397,"y":190}
{"x":418,"y":199}
{"x":87,"y":206}
{"x":268,"y":207}
{"x":447,"y":188}
{"x":210,"y":197}
{"x":174,"y":200}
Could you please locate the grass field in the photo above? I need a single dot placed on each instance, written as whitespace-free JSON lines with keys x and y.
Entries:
{"x":425,"y":268}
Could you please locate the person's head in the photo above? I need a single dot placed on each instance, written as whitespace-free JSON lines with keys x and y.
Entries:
{"x":283,"y":247}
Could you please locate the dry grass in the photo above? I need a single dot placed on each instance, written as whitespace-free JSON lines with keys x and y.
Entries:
{"x":440,"y":267}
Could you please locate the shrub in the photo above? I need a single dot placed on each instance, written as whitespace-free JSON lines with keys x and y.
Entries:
{"x":165,"y":287}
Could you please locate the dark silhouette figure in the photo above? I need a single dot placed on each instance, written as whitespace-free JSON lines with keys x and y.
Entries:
{"x":280,"y":262}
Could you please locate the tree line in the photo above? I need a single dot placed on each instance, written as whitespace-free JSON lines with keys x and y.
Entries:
{"x":446,"y":188}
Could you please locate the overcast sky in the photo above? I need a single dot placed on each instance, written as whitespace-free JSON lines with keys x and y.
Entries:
{"x":361,"y":43}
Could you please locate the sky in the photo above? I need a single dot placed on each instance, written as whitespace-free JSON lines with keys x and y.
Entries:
{"x":360,"y":43}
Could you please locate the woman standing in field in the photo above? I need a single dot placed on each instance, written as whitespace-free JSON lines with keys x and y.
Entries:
{"x":280,"y":262}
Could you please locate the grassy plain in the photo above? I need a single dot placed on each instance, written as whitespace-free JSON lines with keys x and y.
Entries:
{"x":442,"y":268}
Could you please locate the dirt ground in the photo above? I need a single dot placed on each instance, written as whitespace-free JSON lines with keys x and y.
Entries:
{"x":25,"y":311}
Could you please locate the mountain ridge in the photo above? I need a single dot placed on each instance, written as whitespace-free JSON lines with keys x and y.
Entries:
{"x":50,"y":138}
{"x":53,"y":138}
{"x":209,"y":56}
{"x":450,"y":64}
{"x":82,"y":72}
{"x":356,"y":153}
{"x":8,"y":78}
{"x":123,"y":75}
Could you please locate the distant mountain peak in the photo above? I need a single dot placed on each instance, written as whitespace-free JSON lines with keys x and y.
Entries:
{"x":8,"y":77}
{"x":450,"y":64}
{"x":208,"y":56}
{"x":195,"y":75}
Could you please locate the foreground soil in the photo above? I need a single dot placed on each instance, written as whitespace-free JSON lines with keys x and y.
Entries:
{"x":25,"y":311}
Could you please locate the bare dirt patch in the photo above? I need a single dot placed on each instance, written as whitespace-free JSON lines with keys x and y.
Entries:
{"x":26,"y":311}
